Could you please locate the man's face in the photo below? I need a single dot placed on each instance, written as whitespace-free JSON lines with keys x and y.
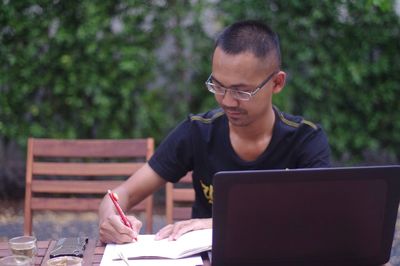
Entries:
{"x":242,"y":72}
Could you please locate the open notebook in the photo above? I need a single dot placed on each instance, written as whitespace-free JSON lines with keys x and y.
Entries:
{"x":146,"y":247}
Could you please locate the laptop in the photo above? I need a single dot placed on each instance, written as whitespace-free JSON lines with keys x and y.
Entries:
{"x":324,"y":216}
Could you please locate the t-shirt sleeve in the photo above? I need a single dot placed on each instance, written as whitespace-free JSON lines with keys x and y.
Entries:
{"x":174,"y":156}
{"x":314,"y":151}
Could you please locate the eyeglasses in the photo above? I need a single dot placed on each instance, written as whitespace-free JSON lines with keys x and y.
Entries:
{"x":237,"y":94}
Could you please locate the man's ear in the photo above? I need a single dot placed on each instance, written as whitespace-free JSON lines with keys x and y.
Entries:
{"x":279,"y":82}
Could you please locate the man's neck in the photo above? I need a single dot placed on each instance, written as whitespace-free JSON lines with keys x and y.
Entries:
{"x":251,"y":141}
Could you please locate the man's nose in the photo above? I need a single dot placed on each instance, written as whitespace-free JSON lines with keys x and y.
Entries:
{"x":228,"y":99}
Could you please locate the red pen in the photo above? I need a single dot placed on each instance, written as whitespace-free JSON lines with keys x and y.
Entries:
{"x":114,"y":199}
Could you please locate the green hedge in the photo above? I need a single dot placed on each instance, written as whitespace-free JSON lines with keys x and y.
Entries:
{"x":123,"y":69}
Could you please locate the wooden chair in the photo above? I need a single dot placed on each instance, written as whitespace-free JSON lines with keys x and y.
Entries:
{"x":179,"y":199}
{"x":74,"y":175}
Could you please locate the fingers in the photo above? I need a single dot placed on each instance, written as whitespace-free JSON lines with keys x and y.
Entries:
{"x":115,"y":231}
{"x":174,"y":231}
{"x":180,"y":228}
{"x":112,"y":230}
{"x":164,"y":232}
{"x":136,"y":225}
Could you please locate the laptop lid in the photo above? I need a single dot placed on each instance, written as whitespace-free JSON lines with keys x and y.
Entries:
{"x":332,"y":216}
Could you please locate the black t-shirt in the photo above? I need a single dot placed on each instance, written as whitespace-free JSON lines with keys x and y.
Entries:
{"x":201,"y":144}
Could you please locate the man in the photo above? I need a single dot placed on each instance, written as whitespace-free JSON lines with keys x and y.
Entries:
{"x":246,"y":132}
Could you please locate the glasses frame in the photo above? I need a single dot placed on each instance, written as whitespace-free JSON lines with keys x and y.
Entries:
{"x":210,"y":86}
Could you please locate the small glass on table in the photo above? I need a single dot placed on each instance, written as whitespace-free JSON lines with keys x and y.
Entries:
{"x":24,"y":246}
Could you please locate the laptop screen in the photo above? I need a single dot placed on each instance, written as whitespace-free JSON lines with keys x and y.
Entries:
{"x":334,"y":216}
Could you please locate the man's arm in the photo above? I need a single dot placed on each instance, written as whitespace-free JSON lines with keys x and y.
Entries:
{"x":141,"y":184}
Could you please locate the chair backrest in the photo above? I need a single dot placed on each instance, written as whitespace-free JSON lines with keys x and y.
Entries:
{"x":179,"y":199}
{"x":74,"y":175}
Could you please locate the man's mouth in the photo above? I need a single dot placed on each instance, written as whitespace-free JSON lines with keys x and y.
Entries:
{"x":233,"y":112}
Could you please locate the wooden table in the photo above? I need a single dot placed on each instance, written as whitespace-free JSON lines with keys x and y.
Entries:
{"x":93,"y":253}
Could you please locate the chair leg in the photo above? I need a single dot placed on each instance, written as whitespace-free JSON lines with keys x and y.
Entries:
{"x":28,"y":222}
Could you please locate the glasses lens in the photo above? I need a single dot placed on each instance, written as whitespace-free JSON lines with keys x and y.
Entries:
{"x":240,"y":95}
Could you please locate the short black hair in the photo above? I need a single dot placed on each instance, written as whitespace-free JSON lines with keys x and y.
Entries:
{"x":249,"y":36}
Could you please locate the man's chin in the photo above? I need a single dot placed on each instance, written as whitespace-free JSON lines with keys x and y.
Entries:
{"x":237,"y":122}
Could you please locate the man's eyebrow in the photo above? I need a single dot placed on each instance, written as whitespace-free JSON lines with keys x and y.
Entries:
{"x":234,"y":85}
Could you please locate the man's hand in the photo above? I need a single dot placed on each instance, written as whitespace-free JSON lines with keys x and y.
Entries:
{"x":112,"y":230}
{"x":174,"y":231}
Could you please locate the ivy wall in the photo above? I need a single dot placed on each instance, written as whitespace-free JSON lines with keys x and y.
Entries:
{"x":125,"y":69}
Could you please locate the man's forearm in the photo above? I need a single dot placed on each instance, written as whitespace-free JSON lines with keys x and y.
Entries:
{"x":106,"y":209}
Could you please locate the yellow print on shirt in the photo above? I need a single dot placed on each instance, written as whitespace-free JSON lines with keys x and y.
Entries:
{"x":208,"y":192}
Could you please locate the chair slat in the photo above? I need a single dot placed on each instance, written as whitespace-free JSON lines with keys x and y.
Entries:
{"x":85,"y":169}
{"x":74,"y":186}
{"x":183,"y":195}
{"x":182,"y":213}
{"x":74,"y":204}
{"x":90,"y":148}
{"x":65,"y":204}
